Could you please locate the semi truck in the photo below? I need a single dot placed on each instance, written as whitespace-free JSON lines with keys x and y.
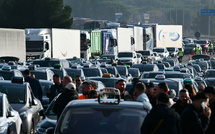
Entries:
{"x":138,"y":37}
{"x":125,"y":39}
{"x":12,"y":43}
{"x":155,"y":35}
{"x":53,"y":43}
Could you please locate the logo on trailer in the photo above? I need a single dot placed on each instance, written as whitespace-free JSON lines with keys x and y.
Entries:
{"x":174,"y":36}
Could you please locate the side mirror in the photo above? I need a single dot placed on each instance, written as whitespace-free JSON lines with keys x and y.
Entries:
{"x":50,"y":130}
{"x":42,"y":113}
{"x":47,"y":46}
{"x":35,"y":102}
{"x":11,"y":114}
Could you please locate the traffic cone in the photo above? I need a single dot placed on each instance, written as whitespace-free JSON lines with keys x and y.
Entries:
{"x":189,"y":58}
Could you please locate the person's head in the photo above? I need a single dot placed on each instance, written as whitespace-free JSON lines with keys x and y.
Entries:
{"x":27,"y":73}
{"x":86,"y":87}
{"x":70,"y":87}
{"x":201,"y":87}
{"x":199,"y":98}
{"x":163,"y":98}
{"x":150,"y":88}
{"x":56,"y":79}
{"x":162,"y":87}
{"x":210,"y":92}
{"x":139,"y":89}
{"x":184,"y":96}
{"x":66,"y":80}
{"x":92,"y":94}
{"x":135,"y":81}
{"x":121,"y":85}
{"x":94,"y":85}
{"x":78,"y":80}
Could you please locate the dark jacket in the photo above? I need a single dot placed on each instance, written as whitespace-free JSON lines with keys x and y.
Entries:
{"x":55,"y":90}
{"x":35,"y":86}
{"x":193,"y":122}
{"x":211,"y":127}
{"x":178,"y":107}
{"x":62,"y":101}
{"x":166,"y":117}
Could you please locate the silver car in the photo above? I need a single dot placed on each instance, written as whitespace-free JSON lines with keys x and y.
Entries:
{"x":10,"y":121}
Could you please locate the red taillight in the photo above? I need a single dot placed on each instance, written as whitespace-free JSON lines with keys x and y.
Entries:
{"x":85,"y":42}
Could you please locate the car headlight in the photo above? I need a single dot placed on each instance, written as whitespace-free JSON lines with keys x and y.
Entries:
{"x":2,"y":128}
{"x":23,"y":115}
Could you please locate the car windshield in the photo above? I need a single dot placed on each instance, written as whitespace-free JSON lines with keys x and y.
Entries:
{"x":174,"y":75}
{"x":108,"y":120}
{"x":203,"y":65}
{"x":46,"y":63}
{"x":147,"y":53}
{"x":143,"y":68}
{"x":158,"y":50}
{"x":161,"y":66}
{"x":190,"y":45}
{"x":45,"y":86}
{"x":15,"y":92}
{"x":210,"y":74}
{"x":120,"y":55}
{"x":107,"y":82}
{"x":170,"y":48}
{"x":133,"y":72}
{"x":40,"y":75}
{"x":7,"y":75}
{"x":89,"y":72}
{"x":73,"y":72}
{"x":171,"y":62}
{"x":111,"y":71}
{"x":200,"y":42}
{"x":121,"y":70}
{"x":1,"y":108}
{"x":197,"y":67}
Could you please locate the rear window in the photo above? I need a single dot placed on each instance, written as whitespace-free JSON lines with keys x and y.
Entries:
{"x":101,"y":121}
{"x":7,"y":75}
{"x":46,"y":63}
{"x":200,"y":42}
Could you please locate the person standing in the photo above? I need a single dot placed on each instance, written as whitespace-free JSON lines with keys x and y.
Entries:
{"x":182,"y":102}
{"x":195,"y":118}
{"x":35,"y":85}
{"x":210,"y":91}
{"x":161,"y":119}
{"x":211,"y":48}
{"x":121,"y":85}
{"x":56,"y":88}
{"x":86,"y":87}
{"x":180,"y":54}
{"x":78,"y":82}
{"x":68,"y":95}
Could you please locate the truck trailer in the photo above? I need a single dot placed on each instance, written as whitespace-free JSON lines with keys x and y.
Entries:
{"x":53,"y":43}
{"x":12,"y":43}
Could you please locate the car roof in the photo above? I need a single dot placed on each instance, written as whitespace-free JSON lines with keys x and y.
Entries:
{"x":94,"y":103}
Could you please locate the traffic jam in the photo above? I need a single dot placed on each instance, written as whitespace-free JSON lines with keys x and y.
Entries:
{"x":124,"y":80}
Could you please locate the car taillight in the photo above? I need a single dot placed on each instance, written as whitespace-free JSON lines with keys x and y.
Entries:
{"x":85,"y":42}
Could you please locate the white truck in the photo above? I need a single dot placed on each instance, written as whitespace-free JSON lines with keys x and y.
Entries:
{"x":53,"y":43}
{"x":169,"y":36}
{"x":125,"y":39}
{"x":138,"y":37}
{"x":12,"y":43}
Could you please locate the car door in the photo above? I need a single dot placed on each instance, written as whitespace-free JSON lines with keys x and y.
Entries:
{"x":34,"y":106}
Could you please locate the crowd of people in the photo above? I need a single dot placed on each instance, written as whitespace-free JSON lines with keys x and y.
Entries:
{"x":190,"y":113}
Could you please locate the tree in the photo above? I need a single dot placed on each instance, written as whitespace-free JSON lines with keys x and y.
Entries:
{"x":35,"y":14}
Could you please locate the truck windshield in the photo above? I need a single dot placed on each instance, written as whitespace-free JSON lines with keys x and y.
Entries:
{"x":34,"y":46}
{"x":125,"y":55}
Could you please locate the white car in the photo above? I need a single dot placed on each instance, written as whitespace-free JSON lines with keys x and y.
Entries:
{"x":10,"y":121}
{"x":161,"y":51}
{"x":127,"y":57}
{"x":156,"y":56}
{"x":139,"y":57}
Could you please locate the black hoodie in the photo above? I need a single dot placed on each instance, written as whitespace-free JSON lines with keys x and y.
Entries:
{"x":168,"y":118}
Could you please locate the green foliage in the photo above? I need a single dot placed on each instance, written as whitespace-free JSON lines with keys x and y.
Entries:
{"x":35,"y":14}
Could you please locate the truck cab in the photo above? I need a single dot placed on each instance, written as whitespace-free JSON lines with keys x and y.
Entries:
{"x":85,"y":45}
{"x":38,"y":43}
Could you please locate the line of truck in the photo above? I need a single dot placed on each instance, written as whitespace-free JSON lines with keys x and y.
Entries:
{"x":38,"y":43}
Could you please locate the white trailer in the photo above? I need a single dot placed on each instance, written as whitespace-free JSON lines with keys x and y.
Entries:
{"x":124,"y":39}
{"x":54,"y":43}
{"x":12,"y":43}
{"x":169,"y":36}
{"x":138,"y":37}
